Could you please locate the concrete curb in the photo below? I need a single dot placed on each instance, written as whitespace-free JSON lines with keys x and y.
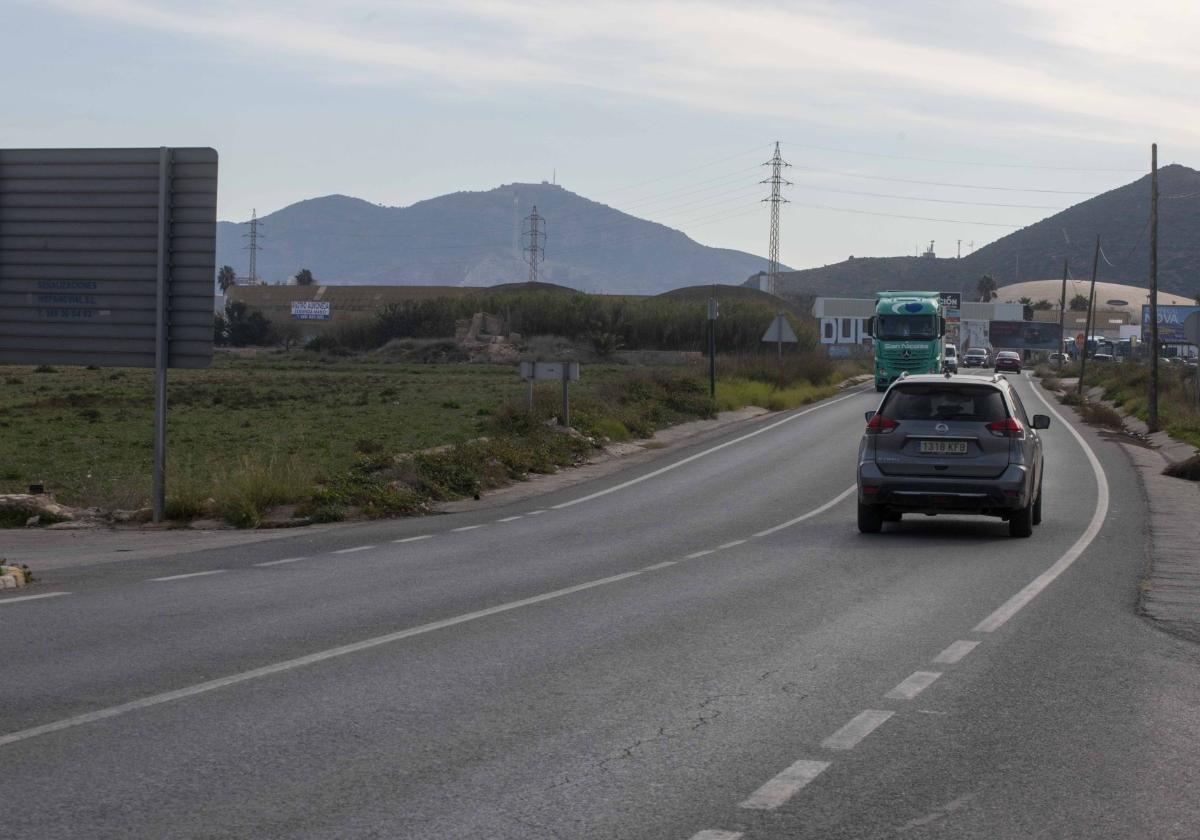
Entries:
{"x":1170,"y":593}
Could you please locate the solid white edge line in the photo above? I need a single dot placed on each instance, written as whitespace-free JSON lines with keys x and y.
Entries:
{"x":859,"y":727}
{"x":300,"y":662}
{"x":189,"y":575}
{"x":954,"y":652}
{"x":815,"y":512}
{"x":281,"y":562}
{"x":708,"y":451}
{"x":4,"y":601}
{"x":716,"y":834}
{"x":784,"y":786}
{"x":913,"y":684}
{"x":414,"y":539}
{"x":352,"y":550}
{"x":1031,"y":590}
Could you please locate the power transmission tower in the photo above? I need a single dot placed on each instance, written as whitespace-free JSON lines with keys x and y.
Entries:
{"x":533,"y":242}
{"x":253,"y":247}
{"x":777,"y":182}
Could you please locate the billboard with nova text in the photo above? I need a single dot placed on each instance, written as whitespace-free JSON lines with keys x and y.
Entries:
{"x":1170,"y":323}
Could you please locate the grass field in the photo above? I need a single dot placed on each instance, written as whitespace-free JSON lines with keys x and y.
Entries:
{"x":264,"y":429}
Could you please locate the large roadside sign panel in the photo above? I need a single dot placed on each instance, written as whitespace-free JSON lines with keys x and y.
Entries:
{"x":1025,"y":335}
{"x":1170,"y":323}
{"x":311,"y":310}
{"x":84,"y":238}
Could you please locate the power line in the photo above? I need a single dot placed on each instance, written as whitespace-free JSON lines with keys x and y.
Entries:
{"x":900,"y":216}
{"x":942,"y":183}
{"x":936,"y":200}
{"x":993,"y":164}
{"x":755,"y":150}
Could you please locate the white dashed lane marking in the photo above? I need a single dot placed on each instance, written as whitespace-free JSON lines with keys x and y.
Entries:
{"x":696,"y":554}
{"x":713,"y":834}
{"x":913,"y":685}
{"x":281,"y":562}
{"x":352,"y":550}
{"x":954,"y":652}
{"x":180,"y":577}
{"x":466,"y":528}
{"x":509,"y":519}
{"x":414,"y":539}
{"x":729,"y":544}
{"x":859,"y":727}
{"x":784,"y":786}
{"x":4,"y":601}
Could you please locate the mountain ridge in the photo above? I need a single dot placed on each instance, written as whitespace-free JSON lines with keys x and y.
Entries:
{"x":1036,"y":251}
{"x":472,"y":238}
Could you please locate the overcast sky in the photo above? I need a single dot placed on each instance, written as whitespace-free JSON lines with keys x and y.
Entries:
{"x":661,"y":108}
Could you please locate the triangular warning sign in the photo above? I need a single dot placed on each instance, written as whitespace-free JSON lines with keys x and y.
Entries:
{"x":780,"y":330}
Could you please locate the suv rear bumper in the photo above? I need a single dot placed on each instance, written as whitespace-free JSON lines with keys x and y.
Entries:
{"x":927,"y":494}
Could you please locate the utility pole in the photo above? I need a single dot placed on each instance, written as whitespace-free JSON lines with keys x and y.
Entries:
{"x":1087,"y":329}
{"x":712,"y":343}
{"x":1062,"y":313}
{"x":777,"y":182}
{"x":1152,"y":401}
{"x":253,"y":247}
{"x":533,"y":242}
{"x":959,"y":249}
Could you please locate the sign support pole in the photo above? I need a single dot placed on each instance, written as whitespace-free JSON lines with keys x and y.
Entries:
{"x":161,"y":338}
{"x":566,"y":379}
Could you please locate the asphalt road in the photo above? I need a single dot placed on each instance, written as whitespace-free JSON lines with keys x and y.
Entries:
{"x":700,"y":647}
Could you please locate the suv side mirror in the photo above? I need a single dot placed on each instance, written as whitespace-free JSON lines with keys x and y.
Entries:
{"x":870,"y":414}
{"x":1041,"y":421}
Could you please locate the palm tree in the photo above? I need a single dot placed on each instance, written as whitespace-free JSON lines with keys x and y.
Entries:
{"x":986,"y":288}
{"x":226,"y":277}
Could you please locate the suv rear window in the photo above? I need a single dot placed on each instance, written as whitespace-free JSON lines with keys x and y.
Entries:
{"x":951,"y":401}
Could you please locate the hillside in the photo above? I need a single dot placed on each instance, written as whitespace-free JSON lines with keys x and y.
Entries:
{"x":473,"y":239}
{"x":1037,"y":251}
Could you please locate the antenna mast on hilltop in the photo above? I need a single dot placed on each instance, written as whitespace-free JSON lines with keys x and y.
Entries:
{"x":533,"y":242}
{"x":777,"y":182}
{"x":253,"y":247}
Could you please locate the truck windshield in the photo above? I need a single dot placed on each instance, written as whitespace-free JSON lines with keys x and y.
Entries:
{"x":898,"y":327}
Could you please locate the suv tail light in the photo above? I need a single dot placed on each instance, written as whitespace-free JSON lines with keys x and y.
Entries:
{"x":1009,"y":427}
{"x":880,"y":425}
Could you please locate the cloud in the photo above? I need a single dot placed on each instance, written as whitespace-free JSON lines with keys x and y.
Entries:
{"x":1061,"y":73}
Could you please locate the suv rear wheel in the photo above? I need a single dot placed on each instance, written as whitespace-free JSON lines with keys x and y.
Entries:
{"x":870,"y":519}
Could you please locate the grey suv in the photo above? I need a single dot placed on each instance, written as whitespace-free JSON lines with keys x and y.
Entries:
{"x":951,"y":444}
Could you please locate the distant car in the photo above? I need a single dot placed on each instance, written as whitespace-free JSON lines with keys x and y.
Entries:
{"x":950,"y":358}
{"x":1102,"y":357}
{"x":1008,"y":360}
{"x":1056,"y":358}
{"x":975,"y":358}
{"x":956,"y":445}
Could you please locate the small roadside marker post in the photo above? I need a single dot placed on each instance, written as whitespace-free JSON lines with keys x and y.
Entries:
{"x":712,"y":344}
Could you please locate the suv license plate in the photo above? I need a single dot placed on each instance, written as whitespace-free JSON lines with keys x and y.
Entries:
{"x":944,"y":447}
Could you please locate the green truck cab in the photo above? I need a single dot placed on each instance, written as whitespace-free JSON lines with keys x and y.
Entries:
{"x":908,"y":328}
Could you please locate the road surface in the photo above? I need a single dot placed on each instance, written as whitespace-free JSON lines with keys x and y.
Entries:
{"x":699,"y":647}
